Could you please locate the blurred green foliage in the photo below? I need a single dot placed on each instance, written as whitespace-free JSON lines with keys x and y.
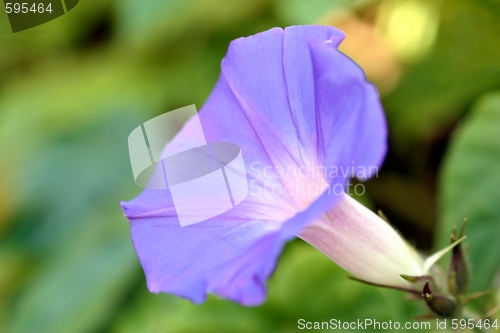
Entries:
{"x":73,"y":89}
{"x":464,"y":63}
{"x":471,"y":187}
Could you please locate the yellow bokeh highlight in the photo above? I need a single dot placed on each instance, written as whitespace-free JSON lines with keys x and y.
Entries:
{"x":410,"y":26}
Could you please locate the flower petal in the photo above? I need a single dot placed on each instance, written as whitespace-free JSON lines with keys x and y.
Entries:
{"x":353,"y":129}
{"x":364,"y":245}
{"x":272,"y":101}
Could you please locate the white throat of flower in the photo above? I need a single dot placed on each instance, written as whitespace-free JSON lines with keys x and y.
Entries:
{"x":367,"y":246}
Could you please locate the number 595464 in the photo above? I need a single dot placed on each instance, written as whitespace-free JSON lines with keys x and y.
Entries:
{"x":25,"y":8}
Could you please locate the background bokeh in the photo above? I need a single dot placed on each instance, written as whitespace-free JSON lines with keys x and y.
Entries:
{"x":73,"y":89}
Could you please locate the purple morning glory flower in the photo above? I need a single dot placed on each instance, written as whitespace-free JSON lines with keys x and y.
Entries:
{"x":304,"y":117}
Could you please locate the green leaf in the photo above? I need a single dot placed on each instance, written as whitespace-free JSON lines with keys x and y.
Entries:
{"x":470,"y":187}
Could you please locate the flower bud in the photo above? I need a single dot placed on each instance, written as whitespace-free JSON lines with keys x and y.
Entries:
{"x":442,"y":305}
{"x":459,"y":273}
